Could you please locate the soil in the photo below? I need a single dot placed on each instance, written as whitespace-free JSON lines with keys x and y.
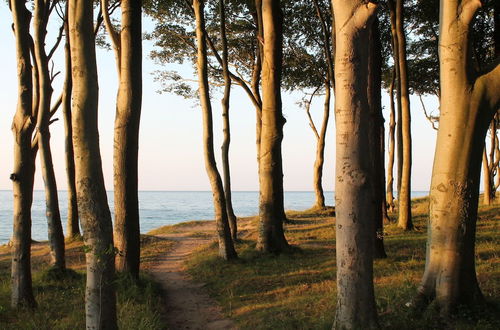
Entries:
{"x":188,"y":305}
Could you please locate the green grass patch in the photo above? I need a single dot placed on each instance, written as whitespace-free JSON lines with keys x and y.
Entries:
{"x":298,"y":290}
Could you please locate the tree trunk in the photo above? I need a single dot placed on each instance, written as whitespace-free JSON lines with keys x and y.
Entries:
{"x":376,"y":140}
{"x":320,"y":151}
{"x":24,"y":163}
{"x":390,"y":163}
{"x":467,"y":107}
{"x":56,"y":236}
{"x":126,"y":139}
{"x":100,"y":300}
{"x":271,"y":205}
{"x":354,"y":204}
{"x":226,"y":125}
{"x":226,"y":247}
{"x":487,"y":179}
{"x":256,"y":77}
{"x":73,"y":225}
{"x":404,"y":190}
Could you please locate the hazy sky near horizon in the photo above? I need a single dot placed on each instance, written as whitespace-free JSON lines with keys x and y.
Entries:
{"x":170,"y":155}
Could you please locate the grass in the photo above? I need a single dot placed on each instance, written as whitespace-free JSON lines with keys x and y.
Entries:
{"x":298,"y":291}
{"x":60,"y":297}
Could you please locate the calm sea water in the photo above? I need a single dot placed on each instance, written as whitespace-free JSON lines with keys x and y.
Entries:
{"x":158,"y":208}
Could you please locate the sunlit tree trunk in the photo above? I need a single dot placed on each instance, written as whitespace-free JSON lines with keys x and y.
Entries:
{"x":56,"y":236}
{"x":226,"y":124}
{"x":73,"y":224}
{"x":100,"y":300}
{"x":487,"y":179}
{"x":128,"y":51}
{"x":24,"y":163}
{"x":468,"y":103}
{"x":354,"y":204}
{"x":404,"y":190}
{"x":271,"y":204}
{"x":226,"y":247}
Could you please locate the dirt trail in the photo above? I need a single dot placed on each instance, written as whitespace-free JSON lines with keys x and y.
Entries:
{"x":188,"y":306}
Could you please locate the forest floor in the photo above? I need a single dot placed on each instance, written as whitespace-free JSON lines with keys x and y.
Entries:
{"x":185,"y":285}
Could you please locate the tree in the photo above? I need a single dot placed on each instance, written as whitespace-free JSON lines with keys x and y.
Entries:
{"x":469,"y":100}
{"x":128,"y":49}
{"x":73,"y":225}
{"x":226,"y":247}
{"x":43,"y":110}
{"x":271,"y":207}
{"x":100,"y":300}
{"x":24,"y":161}
{"x":354,"y":204}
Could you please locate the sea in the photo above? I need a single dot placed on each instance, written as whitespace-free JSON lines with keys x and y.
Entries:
{"x":159,"y":208}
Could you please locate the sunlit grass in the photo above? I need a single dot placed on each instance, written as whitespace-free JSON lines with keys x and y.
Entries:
{"x":298,"y":291}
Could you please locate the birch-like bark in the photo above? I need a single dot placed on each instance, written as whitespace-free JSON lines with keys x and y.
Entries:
{"x":24,"y":162}
{"x":468,"y":104}
{"x":271,"y":204}
{"x":354,"y":205}
{"x":226,"y":246}
{"x":100,"y":299}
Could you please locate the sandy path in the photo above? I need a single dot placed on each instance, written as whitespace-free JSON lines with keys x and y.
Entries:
{"x":188,"y":306}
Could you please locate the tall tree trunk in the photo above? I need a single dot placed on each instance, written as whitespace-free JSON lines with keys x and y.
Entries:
{"x":354,"y":204}
{"x":56,"y":236}
{"x":404,"y":190}
{"x":468,"y":104}
{"x":100,"y":300}
{"x":24,"y":163}
{"x":390,"y":163}
{"x":226,"y":125}
{"x":128,"y":50}
{"x":73,"y":225}
{"x":256,"y":77}
{"x":226,"y":247}
{"x":487,"y":179}
{"x":271,"y":204}
{"x":376,"y":140}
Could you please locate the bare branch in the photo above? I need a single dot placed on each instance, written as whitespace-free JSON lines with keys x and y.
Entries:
{"x":432,"y":119}
{"x":308,"y":112}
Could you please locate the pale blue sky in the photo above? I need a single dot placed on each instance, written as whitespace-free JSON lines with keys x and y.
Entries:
{"x":170,"y":140}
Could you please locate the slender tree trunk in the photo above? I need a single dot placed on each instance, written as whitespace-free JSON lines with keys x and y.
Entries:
{"x":354,"y":204}
{"x":376,"y":140}
{"x":390,"y":163}
{"x":226,"y":247}
{"x":487,"y":179}
{"x":271,"y":205}
{"x":320,"y":151}
{"x":256,"y":77}
{"x":24,"y":163}
{"x":226,"y":125}
{"x":73,"y":225}
{"x":467,"y":107}
{"x":404,"y":190}
{"x":100,"y":300}
{"x":126,"y":138}
{"x":56,"y":236}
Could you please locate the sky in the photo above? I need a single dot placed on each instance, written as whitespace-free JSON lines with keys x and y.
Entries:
{"x":170,"y":151}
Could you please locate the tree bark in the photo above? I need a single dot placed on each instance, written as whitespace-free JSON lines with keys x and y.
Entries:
{"x":468,"y":104}
{"x":390,"y":163}
{"x":73,"y":225}
{"x":100,"y":300}
{"x":271,"y":205}
{"x":354,"y":204}
{"x":226,"y":125}
{"x":487,"y":179}
{"x":56,"y":236}
{"x":404,"y":190}
{"x":24,"y":163}
{"x":226,"y":247}
{"x":128,"y":50}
